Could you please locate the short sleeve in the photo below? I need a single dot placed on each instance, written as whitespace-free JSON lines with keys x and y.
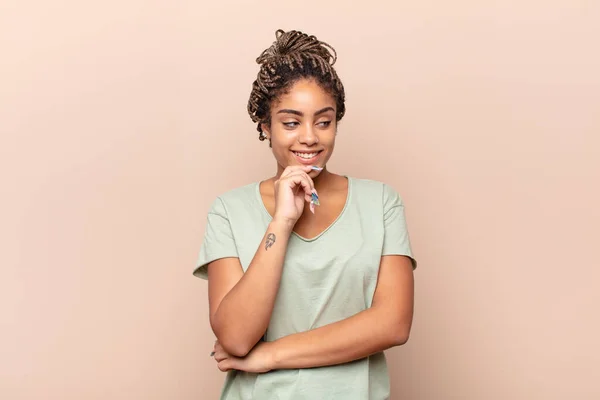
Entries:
{"x":218,"y":239}
{"x":396,"y":240}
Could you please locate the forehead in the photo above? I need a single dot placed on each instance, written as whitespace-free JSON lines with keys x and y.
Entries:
{"x":305,"y":95}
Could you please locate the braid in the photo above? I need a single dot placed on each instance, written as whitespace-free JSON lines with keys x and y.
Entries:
{"x":293,"y":55}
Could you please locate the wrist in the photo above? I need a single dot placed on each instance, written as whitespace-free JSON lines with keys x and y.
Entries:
{"x":286,"y":224}
{"x":273,"y":356}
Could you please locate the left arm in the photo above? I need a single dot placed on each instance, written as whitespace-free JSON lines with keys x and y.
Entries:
{"x":384,"y":325}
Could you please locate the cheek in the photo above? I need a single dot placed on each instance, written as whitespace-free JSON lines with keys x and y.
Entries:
{"x":328,"y":140}
{"x":282,"y":137}
{"x":281,"y":150}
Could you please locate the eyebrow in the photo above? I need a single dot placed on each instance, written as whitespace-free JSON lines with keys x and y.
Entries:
{"x":300,"y":113}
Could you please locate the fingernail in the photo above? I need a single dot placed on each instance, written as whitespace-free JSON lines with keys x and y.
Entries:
{"x":314,"y":167}
{"x":212,"y":353}
{"x":312,"y":207}
{"x":315,"y":198}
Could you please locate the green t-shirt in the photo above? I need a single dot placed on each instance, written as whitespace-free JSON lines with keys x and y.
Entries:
{"x":324,"y":280}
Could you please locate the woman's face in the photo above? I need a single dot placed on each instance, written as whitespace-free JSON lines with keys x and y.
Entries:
{"x":303,"y":126}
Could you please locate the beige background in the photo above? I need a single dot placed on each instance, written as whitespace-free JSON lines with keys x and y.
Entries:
{"x":122,"y":120}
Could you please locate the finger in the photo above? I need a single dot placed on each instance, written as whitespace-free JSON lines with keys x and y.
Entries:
{"x":220,"y":355}
{"x":289,"y":170}
{"x":307,"y":198}
{"x":225,"y":365}
{"x":310,"y":187}
{"x":293,"y":183}
{"x":303,"y":174}
{"x":294,"y":168}
{"x":302,"y":180}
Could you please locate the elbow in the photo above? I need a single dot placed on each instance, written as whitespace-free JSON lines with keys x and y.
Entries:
{"x":235,"y":346}
{"x":399,"y":335}
{"x":237,"y":349}
{"x":400,"y":339}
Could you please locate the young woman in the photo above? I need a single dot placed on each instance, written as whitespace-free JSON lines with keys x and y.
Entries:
{"x":310,"y":273}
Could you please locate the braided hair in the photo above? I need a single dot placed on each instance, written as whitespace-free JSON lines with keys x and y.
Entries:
{"x":293,"y":56}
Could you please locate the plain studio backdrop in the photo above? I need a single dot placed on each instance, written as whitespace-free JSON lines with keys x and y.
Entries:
{"x":122,"y":120}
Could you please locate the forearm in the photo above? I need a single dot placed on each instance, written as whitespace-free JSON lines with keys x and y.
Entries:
{"x":244,"y":313}
{"x":356,"y":337}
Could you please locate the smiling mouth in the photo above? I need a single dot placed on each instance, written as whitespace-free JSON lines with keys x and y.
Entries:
{"x":306,"y":156}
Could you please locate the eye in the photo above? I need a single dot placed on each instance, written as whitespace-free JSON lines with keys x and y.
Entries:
{"x":291,"y":125}
{"x":324,"y":124}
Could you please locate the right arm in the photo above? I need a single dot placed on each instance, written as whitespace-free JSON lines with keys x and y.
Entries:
{"x":241,"y":303}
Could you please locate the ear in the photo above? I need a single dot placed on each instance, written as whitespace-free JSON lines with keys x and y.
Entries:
{"x":266,"y":129}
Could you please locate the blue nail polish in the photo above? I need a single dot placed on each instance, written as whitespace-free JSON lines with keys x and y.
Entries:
{"x":315,"y":168}
{"x":315,"y":199}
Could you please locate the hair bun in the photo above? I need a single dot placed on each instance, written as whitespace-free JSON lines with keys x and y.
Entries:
{"x":292,"y":45}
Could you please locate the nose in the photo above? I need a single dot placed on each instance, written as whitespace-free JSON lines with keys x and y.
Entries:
{"x":308,"y":137}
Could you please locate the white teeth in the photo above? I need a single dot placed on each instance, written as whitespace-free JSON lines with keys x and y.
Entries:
{"x":306,"y":155}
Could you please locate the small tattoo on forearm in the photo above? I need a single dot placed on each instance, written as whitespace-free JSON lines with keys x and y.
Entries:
{"x":270,"y":240}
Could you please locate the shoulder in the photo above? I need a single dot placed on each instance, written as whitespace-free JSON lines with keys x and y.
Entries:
{"x":234,"y":200}
{"x":374,"y":189}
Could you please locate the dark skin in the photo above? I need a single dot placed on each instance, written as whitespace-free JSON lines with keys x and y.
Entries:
{"x":332,"y":197}
{"x":302,"y":133}
{"x":304,"y":120}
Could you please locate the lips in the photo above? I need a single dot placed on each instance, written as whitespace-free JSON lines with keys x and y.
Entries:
{"x":307,"y":158}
